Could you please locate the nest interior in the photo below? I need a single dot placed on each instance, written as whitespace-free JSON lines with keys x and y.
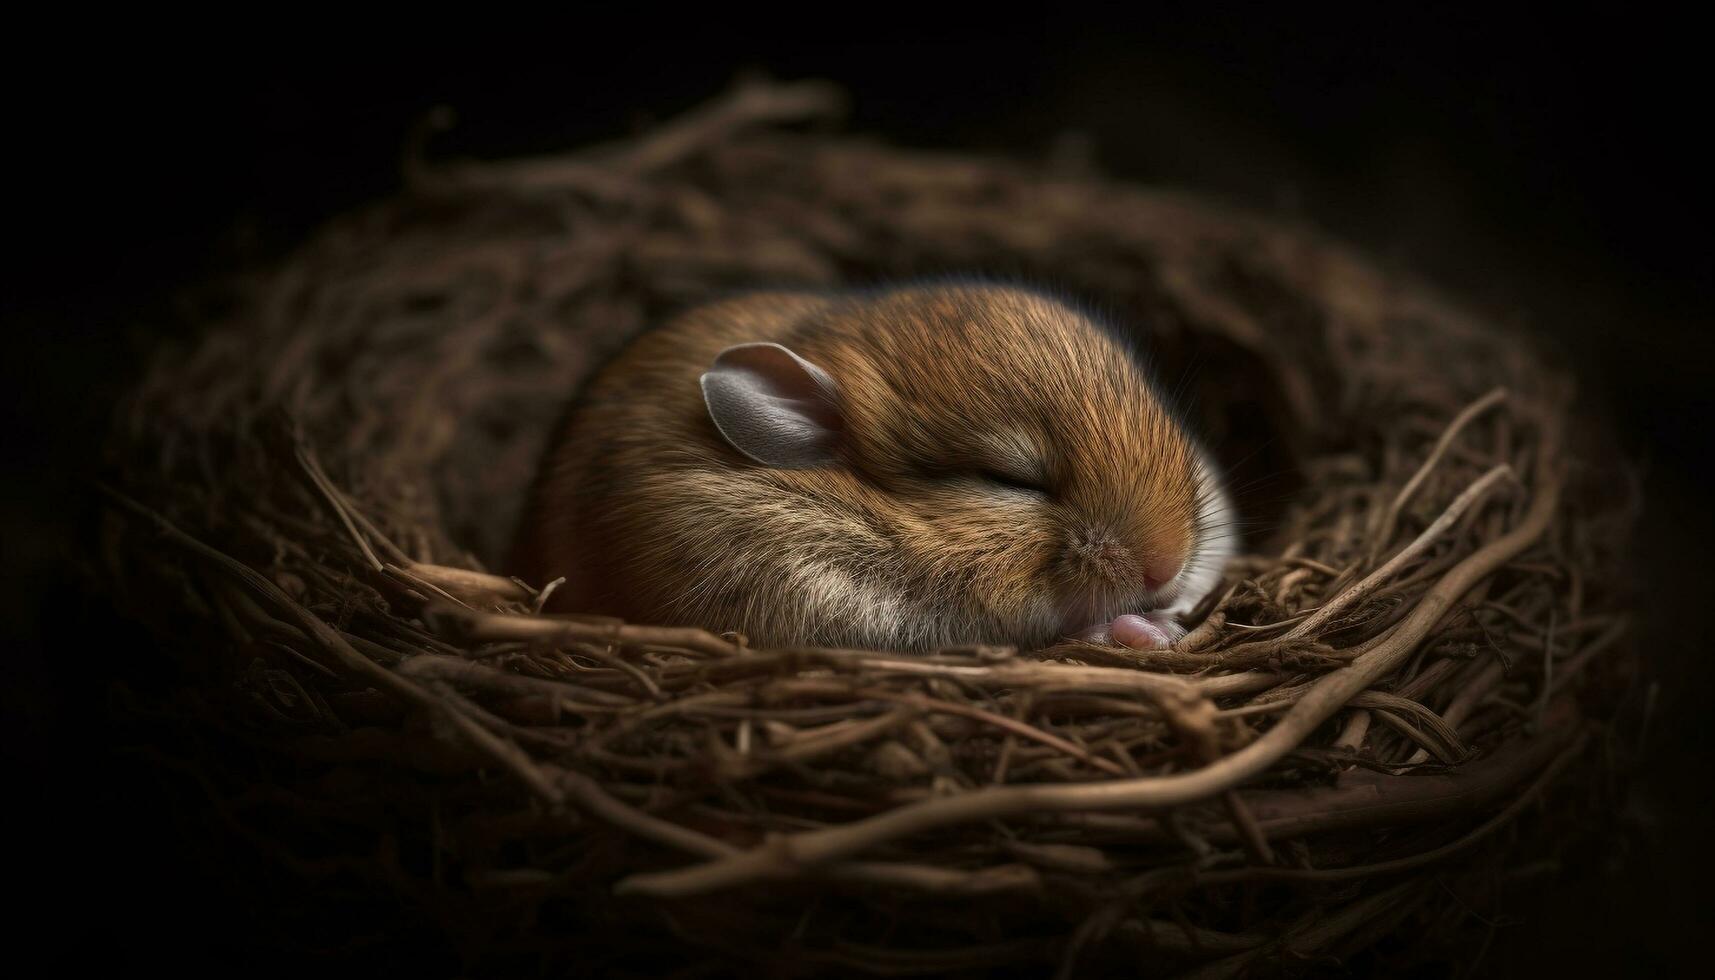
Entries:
{"x":1355,"y":742}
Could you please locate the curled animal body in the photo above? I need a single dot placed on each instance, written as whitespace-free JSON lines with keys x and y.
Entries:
{"x":902,"y":468}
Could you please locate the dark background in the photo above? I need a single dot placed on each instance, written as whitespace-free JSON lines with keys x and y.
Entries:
{"x":1551,"y":170}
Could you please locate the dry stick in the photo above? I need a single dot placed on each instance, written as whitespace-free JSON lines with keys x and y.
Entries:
{"x":1119,"y":680}
{"x":1465,"y":702}
{"x":398,"y":572}
{"x":1374,"y":580}
{"x":1312,"y":564}
{"x":1366,"y":798}
{"x":786,"y":854}
{"x":596,"y":651}
{"x":1287,"y":581}
{"x":476,"y":726}
{"x":333,"y":642}
{"x":502,"y":627}
{"x":384,"y":655}
{"x":312,"y":624}
{"x":1194,"y":717}
{"x":1002,"y":722}
{"x":541,"y":600}
{"x":348,"y":512}
{"x":1236,"y":657}
{"x":437,"y":578}
{"x":1417,"y":736}
{"x":468,"y":583}
{"x":688,"y":703}
{"x":1420,"y":686}
{"x":1259,"y":627}
{"x":1442,"y":734}
{"x":330,"y":494}
{"x":392,"y":550}
{"x":1004,"y":759}
{"x":1352,"y":735}
{"x":494,"y":681}
{"x":1431,"y":731}
{"x":1499,"y":820}
{"x":1384,"y":529}
{"x":1245,"y":822}
{"x":939,"y":881}
{"x":1203,"y":634}
{"x":303,"y":659}
{"x":593,"y":799}
{"x":845,"y":734}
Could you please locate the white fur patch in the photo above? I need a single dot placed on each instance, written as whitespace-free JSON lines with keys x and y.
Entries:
{"x":1217,"y":541}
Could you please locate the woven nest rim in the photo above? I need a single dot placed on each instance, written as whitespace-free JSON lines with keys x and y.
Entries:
{"x":1421,"y":630}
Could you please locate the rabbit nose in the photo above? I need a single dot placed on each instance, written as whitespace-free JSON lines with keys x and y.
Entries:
{"x":1099,"y":550}
{"x":1105,"y":555}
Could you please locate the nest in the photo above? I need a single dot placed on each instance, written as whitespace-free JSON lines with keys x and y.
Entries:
{"x":1349,"y":749}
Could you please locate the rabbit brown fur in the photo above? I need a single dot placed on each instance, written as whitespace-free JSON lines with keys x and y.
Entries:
{"x":987,"y":464}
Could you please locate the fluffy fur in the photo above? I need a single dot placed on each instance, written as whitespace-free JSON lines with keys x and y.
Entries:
{"x":1006,"y":473}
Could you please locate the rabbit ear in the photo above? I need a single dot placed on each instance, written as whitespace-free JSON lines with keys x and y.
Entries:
{"x":774,"y":406}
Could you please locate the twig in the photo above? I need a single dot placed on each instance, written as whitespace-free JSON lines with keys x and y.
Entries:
{"x":1002,"y":722}
{"x":505,"y":682}
{"x":1383,"y":531}
{"x":1352,"y":735}
{"x":1409,"y":862}
{"x":1329,"y":695}
{"x":469,"y":585}
{"x":330,"y":495}
{"x":1422,"y":543}
{"x":479,"y":627}
{"x":427,"y":586}
{"x":1466,"y":701}
{"x":332,"y":641}
{"x":470,"y":721}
